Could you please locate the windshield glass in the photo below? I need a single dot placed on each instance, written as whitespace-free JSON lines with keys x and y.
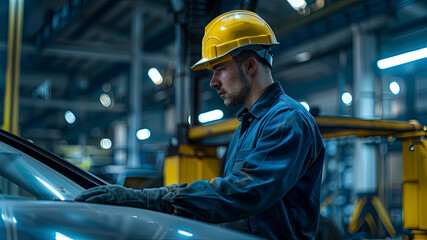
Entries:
{"x":23,"y":176}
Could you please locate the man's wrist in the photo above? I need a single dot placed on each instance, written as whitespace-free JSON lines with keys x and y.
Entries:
{"x":154,"y":199}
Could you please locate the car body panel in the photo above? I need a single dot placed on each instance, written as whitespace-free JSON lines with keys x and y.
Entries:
{"x":33,"y":219}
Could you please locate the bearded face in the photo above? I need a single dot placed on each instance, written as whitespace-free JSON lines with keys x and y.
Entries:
{"x":231,"y":83}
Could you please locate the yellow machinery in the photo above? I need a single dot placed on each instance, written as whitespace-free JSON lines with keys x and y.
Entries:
{"x":192,"y":163}
{"x":414,"y":186}
{"x":200,"y":162}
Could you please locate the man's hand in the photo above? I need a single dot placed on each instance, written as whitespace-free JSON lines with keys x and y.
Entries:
{"x":114,"y":194}
{"x":150,"y":198}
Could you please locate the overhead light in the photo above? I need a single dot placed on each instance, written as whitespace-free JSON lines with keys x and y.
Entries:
{"x":305,"y":104}
{"x":402,"y":58}
{"x":143,"y":134}
{"x":70,"y":117}
{"x":298,"y":4}
{"x":105,"y":100}
{"x":346,"y":98}
{"x":394,"y":87}
{"x":155,"y":76}
{"x":105,"y":143}
{"x":303,"y":57}
{"x":106,"y":87}
{"x":210,"y":116}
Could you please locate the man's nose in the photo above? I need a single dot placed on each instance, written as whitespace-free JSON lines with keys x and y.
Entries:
{"x":214,"y":83}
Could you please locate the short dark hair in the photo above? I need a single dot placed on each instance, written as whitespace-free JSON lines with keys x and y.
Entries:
{"x":245,"y":54}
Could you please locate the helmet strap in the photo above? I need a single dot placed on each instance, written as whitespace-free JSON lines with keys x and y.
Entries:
{"x":267,"y":55}
{"x":263,"y":53}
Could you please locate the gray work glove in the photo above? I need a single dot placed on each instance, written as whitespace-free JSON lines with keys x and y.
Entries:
{"x":148,"y":198}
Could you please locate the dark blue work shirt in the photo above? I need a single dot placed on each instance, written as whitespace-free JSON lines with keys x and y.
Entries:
{"x":272,"y":175}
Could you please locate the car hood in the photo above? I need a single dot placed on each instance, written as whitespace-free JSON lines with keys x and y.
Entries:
{"x":32,"y":219}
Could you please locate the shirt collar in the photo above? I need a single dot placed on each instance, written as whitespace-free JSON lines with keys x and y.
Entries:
{"x":264,"y":103}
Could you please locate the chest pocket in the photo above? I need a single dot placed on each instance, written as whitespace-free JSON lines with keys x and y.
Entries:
{"x":241,"y":156}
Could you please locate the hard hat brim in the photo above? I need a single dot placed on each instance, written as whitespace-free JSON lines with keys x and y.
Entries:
{"x":205,"y":63}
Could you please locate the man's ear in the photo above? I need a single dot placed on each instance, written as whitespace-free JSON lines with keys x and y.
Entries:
{"x":251,"y":66}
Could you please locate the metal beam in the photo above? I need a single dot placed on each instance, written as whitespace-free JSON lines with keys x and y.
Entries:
{"x":338,"y":6}
{"x":135,"y":99}
{"x":366,"y":164}
{"x":157,"y":9}
{"x":111,"y":34}
{"x":32,"y":79}
{"x":72,"y":105}
{"x":328,"y":42}
{"x":42,"y":133}
{"x":90,"y":52}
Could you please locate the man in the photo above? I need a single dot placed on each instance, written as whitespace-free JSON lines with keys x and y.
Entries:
{"x":272,"y":176}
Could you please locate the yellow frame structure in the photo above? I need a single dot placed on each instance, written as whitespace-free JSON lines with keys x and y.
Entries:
{"x":331,"y":127}
{"x":11,"y":98}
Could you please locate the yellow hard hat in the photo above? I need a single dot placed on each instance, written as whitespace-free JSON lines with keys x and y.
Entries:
{"x":232,"y":32}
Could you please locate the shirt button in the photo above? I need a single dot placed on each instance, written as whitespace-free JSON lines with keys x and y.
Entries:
{"x":250,"y":120}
